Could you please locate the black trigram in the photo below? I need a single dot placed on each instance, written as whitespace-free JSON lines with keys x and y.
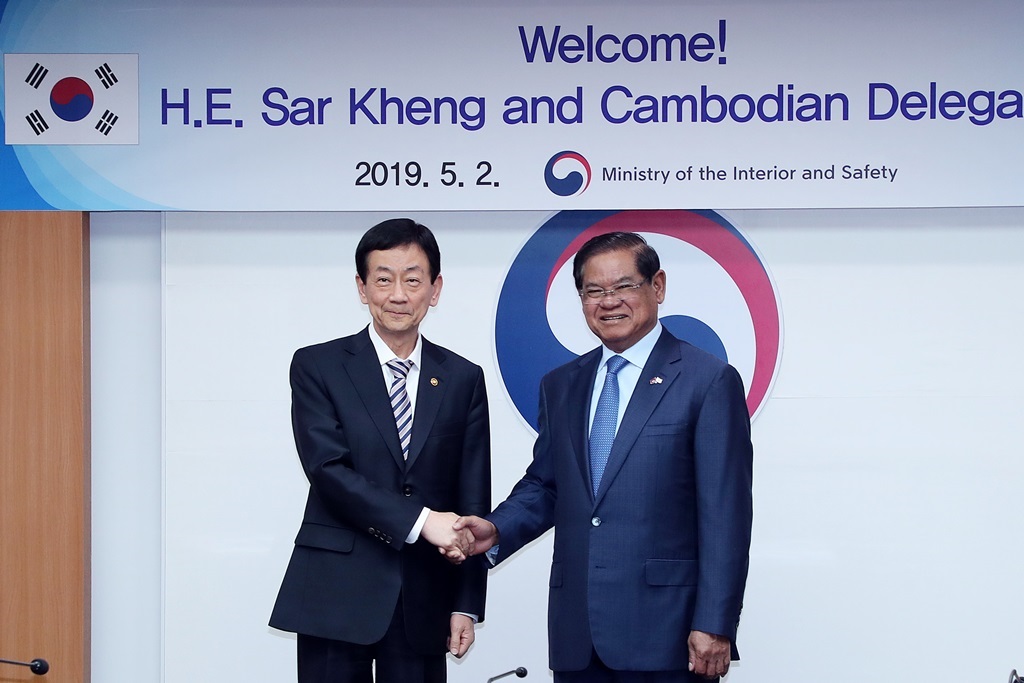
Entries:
{"x":106,"y":75}
{"x":37,"y":122}
{"x":106,"y":122}
{"x":37,"y":75}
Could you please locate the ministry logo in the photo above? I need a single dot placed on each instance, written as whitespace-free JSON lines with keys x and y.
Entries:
{"x":71,"y":99}
{"x":567,"y":174}
{"x":720,"y":297}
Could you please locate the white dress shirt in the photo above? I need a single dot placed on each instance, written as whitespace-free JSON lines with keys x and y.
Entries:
{"x":637,"y":356}
{"x":412,"y":380}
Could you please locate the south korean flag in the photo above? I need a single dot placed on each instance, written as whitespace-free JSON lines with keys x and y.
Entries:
{"x":71,"y":99}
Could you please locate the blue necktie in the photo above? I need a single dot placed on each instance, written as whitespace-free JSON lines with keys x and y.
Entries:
{"x":400,"y":402}
{"x":602,"y":432}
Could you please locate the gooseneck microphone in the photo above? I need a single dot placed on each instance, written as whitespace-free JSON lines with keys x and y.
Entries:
{"x":36,"y":666}
{"x":520,"y":672}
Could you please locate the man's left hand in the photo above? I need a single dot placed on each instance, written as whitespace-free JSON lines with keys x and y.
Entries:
{"x":709,"y":654}
{"x":462,"y":636}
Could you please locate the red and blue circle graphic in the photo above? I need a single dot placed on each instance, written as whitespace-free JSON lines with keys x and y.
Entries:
{"x":71,"y":99}
{"x":567,"y":173}
{"x":720,"y":297}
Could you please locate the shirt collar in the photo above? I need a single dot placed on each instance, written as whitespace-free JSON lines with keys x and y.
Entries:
{"x":384,"y":352}
{"x":638,"y":353}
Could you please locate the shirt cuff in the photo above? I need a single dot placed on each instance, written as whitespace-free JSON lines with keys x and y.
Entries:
{"x":414,"y":535}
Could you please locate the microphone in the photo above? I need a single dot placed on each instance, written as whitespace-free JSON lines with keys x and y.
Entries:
{"x":36,"y":666}
{"x":520,"y":672}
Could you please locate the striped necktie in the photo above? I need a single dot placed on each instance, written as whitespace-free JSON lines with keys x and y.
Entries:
{"x":602,"y":432}
{"x":400,"y":404}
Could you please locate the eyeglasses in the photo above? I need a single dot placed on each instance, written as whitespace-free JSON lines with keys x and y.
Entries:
{"x":621,"y":292}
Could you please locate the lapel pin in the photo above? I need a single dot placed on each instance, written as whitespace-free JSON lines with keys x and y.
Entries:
{"x":656,"y":380}
{"x":434,"y":382}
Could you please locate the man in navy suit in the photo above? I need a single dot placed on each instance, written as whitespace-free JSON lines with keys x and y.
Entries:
{"x":366,"y":587}
{"x":652,"y":528}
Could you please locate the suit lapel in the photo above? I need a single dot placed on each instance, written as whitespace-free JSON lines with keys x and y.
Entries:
{"x":581,"y":387}
{"x":430,"y":393}
{"x":363,"y":367}
{"x":646,"y":397}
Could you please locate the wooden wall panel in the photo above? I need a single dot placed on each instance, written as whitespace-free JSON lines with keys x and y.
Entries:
{"x":44,"y":444}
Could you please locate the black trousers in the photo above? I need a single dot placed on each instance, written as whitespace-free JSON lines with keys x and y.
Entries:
{"x":321,"y":660}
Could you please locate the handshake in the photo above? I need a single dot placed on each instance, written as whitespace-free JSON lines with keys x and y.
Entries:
{"x":458,"y":538}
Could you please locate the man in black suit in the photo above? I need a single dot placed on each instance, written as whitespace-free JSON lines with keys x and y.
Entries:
{"x":643,"y":466}
{"x":366,"y":586}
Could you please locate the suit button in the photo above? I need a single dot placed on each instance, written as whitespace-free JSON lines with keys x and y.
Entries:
{"x":407,"y":490}
{"x":595,"y":521}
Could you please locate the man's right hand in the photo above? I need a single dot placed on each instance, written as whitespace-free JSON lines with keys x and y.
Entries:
{"x":456,"y":545}
{"x":485,"y":533}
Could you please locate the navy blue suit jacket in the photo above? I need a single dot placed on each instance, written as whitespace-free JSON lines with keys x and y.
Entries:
{"x":663,"y":548}
{"x":350,"y":560}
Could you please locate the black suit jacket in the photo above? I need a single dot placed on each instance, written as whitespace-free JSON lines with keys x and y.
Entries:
{"x":350,"y":560}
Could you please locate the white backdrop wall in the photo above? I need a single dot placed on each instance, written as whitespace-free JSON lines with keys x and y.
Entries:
{"x":126,"y":324}
{"x":887,"y":457}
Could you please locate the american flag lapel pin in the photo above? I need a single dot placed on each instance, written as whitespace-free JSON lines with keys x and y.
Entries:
{"x":657,"y":379}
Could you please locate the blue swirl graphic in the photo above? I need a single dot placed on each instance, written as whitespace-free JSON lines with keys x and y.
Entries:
{"x":524,"y":343}
{"x":17,"y":192}
{"x":526,"y":347}
{"x":571,"y":183}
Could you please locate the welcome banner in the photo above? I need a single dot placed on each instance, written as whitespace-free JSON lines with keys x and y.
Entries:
{"x":430,"y":105}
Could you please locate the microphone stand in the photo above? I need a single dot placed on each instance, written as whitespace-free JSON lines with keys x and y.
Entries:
{"x":36,"y":666}
{"x":520,"y":672}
